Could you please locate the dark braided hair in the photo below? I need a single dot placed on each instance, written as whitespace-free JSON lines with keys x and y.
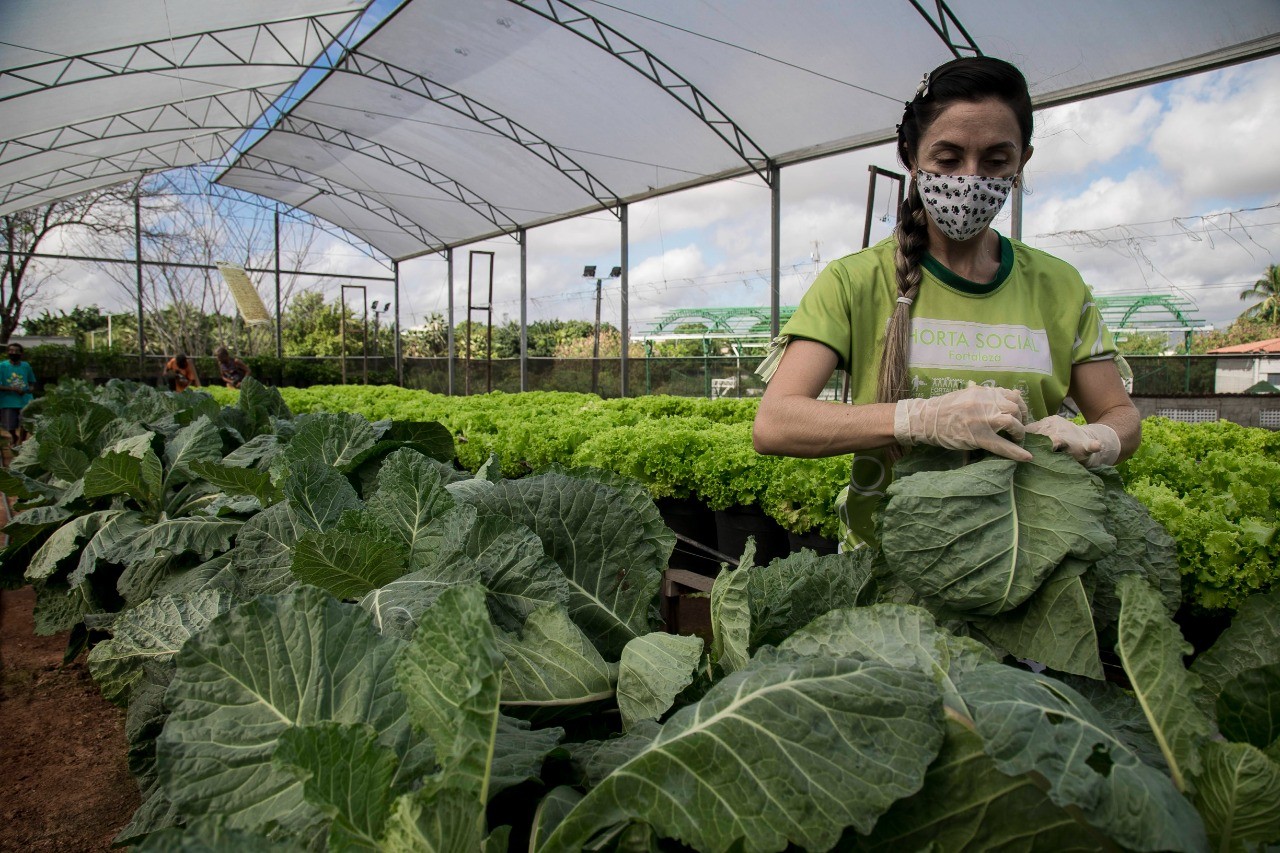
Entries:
{"x":976,"y":78}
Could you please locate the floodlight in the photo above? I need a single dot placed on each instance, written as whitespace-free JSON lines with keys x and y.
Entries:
{"x":616,"y":272}
{"x":589,"y":272}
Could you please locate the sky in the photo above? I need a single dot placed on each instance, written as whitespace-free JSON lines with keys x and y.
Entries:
{"x":1166,"y":189}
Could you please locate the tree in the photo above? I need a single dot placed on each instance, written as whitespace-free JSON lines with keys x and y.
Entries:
{"x":1143,"y":343}
{"x":73,"y":323}
{"x":25,"y":278}
{"x":1267,"y":289}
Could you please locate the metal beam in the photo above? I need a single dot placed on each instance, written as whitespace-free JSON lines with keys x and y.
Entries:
{"x":658,"y":72}
{"x":943,"y":24}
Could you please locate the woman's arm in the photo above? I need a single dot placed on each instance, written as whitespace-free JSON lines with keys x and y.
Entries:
{"x":1098,"y":390}
{"x":791,"y":420}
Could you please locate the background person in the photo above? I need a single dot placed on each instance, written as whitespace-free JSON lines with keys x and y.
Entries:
{"x":952,"y":334}
{"x":233,"y":370}
{"x":180,"y":373}
{"x":17,"y":381}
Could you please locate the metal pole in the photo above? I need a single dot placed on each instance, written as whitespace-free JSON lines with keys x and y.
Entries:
{"x":279,"y":316}
{"x":524,"y":312}
{"x":595,"y":347}
{"x":395,"y":268}
{"x":871,"y":200}
{"x":137,"y":254}
{"x":342,"y":327}
{"x":364,"y":338}
{"x":775,"y":250}
{"x":623,"y":385}
{"x":449,"y":331}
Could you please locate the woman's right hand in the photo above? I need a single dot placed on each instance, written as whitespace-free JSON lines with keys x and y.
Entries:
{"x":969,"y":419}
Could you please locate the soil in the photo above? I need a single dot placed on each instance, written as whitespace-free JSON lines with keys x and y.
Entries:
{"x":65,"y":785}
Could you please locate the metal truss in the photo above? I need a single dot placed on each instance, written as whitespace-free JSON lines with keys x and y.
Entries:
{"x":293,"y":43}
{"x":721,"y":322}
{"x":123,"y":165}
{"x":943,"y":23}
{"x":423,"y":87}
{"x":325,"y":186}
{"x":211,"y":113}
{"x":1117,"y":311}
{"x":654,"y":69}
{"x":359,"y":144}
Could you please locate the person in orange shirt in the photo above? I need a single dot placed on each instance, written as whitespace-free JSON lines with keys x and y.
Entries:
{"x":180,"y":372}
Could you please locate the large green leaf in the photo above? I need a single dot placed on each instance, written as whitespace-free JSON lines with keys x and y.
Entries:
{"x":1236,"y":793}
{"x":635,"y":495}
{"x":518,"y":574}
{"x":613,"y":567}
{"x":1252,"y":640}
{"x":983,"y":538}
{"x":318,"y":494}
{"x":451,"y":675}
{"x":653,"y":670}
{"x":967,"y":804}
{"x":1034,"y":724}
{"x":65,"y":462}
{"x":64,"y":542}
{"x":430,"y":437}
{"x":330,"y":439}
{"x":60,"y":608}
{"x":409,"y":496}
{"x":239,"y":481}
{"x":271,"y":664}
{"x":200,"y":441}
{"x":347,"y":775}
{"x":787,"y":594}
{"x":1151,"y":649}
{"x":204,"y":536}
{"x":348,"y":565}
{"x":900,"y":635}
{"x":1053,"y":627}
{"x":553,"y":663}
{"x":258,"y":452}
{"x":439,"y":820}
{"x":1143,"y":546}
{"x":264,"y":549}
{"x":731,"y":618}
{"x":1249,"y":706}
{"x":210,"y":835}
{"x":596,"y":759}
{"x":151,"y":633}
{"x":784,"y":752}
{"x":398,"y":607}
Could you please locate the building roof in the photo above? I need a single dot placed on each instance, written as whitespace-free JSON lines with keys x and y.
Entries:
{"x":1271,"y":345}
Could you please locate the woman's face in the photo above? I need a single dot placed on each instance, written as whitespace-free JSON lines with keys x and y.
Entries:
{"x":973,"y":138}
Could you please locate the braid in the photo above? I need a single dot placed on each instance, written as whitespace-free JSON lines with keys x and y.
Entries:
{"x":913,"y":239}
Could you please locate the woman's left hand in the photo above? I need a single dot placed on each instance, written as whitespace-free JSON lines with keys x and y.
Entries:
{"x":1092,"y":445}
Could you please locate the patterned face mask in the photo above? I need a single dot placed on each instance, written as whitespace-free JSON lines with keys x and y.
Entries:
{"x":962,"y":205}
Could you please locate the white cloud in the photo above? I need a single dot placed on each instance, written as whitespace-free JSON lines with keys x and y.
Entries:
{"x":1084,"y":134}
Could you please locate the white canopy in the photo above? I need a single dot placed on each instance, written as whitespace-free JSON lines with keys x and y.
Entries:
{"x":456,"y":121}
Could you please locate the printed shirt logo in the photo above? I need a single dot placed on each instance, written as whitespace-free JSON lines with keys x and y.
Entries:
{"x":958,"y":345}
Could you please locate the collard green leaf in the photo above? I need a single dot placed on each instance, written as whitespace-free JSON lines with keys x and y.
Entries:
{"x":1124,"y":717}
{"x":348,"y":565}
{"x":1236,"y":793}
{"x":201,"y":535}
{"x":258,"y":452}
{"x":209,"y":835}
{"x":432,"y":437}
{"x":440,"y":820}
{"x":347,"y":775}
{"x":318,"y":494}
{"x":1054,"y":626}
{"x":264,"y":549}
{"x":398,"y":607}
{"x":271,"y":664}
{"x":552,"y":663}
{"x":634,"y":494}
{"x":787,"y":594}
{"x":199,"y":442}
{"x":1252,"y":640}
{"x":151,"y":633}
{"x":1143,"y":547}
{"x":596,"y":759}
{"x":730,"y":619}
{"x":1034,"y":724}
{"x":65,"y":462}
{"x":60,"y":608}
{"x":329,"y":439}
{"x":451,"y":676}
{"x":1151,"y":649}
{"x":784,"y":752}
{"x":552,"y":809}
{"x":64,"y":542}
{"x":1249,"y":706}
{"x":983,"y":538}
{"x":600,"y":542}
{"x":653,"y":670}
{"x":967,"y":804}
{"x":515,"y":570}
{"x":409,"y":496}
{"x":518,"y":752}
{"x":239,"y":481}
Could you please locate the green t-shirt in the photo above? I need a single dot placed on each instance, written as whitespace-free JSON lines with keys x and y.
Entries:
{"x":1024,"y":330}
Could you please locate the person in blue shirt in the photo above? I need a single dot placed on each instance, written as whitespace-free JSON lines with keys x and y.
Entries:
{"x":17,"y":380}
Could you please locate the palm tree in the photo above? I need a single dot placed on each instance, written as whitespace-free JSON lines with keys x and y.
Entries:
{"x":1267,"y":289}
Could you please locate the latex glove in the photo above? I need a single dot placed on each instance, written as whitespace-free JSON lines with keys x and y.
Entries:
{"x":968,"y":419}
{"x":1092,"y":445}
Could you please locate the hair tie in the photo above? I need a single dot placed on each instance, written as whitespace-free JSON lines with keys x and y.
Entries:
{"x":906,"y":300}
{"x":922,"y":91}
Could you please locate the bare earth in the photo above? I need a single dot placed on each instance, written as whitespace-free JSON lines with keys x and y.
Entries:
{"x":64,"y":782}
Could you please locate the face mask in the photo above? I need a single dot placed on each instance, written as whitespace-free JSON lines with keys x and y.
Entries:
{"x":962,"y":205}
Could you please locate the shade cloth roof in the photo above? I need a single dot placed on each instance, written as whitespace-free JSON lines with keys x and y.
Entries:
{"x":458,"y":121}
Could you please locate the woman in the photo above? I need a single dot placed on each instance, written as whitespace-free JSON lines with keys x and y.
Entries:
{"x":17,"y":380}
{"x":232,"y":370}
{"x":952,"y":334}
{"x":180,"y":373}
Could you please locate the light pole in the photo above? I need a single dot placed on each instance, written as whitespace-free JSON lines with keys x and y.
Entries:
{"x":342,"y":317}
{"x":377,"y":315}
{"x":590,"y":272}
